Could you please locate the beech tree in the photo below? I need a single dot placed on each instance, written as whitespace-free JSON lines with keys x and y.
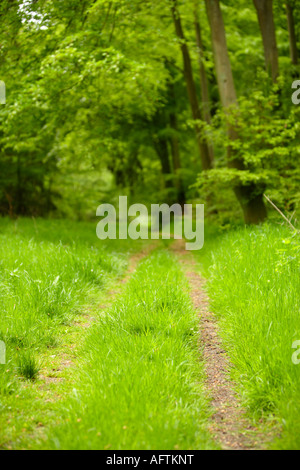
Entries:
{"x":205,"y":98}
{"x":107,"y":97}
{"x":290,"y":8}
{"x":265,"y":16}
{"x":250,"y":196}
{"x":191,"y":88}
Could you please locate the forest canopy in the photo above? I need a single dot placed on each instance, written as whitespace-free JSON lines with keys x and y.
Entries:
{"x":162,"y":101}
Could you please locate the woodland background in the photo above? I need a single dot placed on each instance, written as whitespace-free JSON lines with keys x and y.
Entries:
{"x":163,"y":101}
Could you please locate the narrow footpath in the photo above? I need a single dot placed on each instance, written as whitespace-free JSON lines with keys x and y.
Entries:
{"x":229,"y":425}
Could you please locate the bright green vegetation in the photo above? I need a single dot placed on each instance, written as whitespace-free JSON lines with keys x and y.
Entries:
{"x":49,"y":271}
{"x":102,"y":100}
{"x":139,"y":384}
{"x":43,"y":284}
{"x":107,"y":98}
{"x":136,"y":376}
{"x":254,"y":287}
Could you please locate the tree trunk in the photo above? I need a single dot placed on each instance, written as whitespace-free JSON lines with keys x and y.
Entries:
{"x":205,"y":101}
{"x":162,"y":150}
{"x":249,"y":196}
{"x":191,"y":88}
{"x":265,"y":16}
{"x":160,"y":143}
{"x":19,"y":190}
{"x":251,"y":200}
{"x":174,"y":141}
{"x":292,"y":33}
{"x":176,"y":159}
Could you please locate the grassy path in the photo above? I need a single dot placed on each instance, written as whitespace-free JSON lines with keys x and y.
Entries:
{"x":229,"y":425}
{"x":128,"y":374}
{"x":100,"y":359}
{"x":139,"y":384}
{"x":254,"y":286}
{"x":36,"y":406}
{"x":54,"y":279}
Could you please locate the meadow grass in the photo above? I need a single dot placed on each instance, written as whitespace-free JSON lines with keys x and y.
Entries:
{"x":49,"y":270}
{"x":140,"y":376}
{"x":137,"y":378}
{"x":254,"y":287}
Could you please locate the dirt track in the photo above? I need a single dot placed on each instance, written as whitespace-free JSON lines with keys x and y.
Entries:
{"x":229,"y":425}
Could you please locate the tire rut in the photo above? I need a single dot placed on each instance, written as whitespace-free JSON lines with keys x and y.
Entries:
{"x":228,"y":424}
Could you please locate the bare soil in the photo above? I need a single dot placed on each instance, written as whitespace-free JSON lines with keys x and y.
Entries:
{"x":229,"y":424}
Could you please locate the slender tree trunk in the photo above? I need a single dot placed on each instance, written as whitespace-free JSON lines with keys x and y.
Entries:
{"x":176,"y":159}
{"x":265,"y":16}
{"x":19,"y":190}
{"x":191,"y":88}
{"x":249,"y":196}
{"x":205,"y":101}
{"x":174,"y":142}
{"x":174,"y":139}
{"x":161,"y":145}
{"x":162,"y":150}
{"x":292,"y":33}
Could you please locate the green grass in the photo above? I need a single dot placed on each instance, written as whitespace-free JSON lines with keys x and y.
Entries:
{"x":137,"y":377}
{"x":254,"y":286}
{"x":49,"y":272}
{"x":27,"y":365}
{"x":140,"y":378}
{"x":136,"y":380}
{"x":44,"y":283}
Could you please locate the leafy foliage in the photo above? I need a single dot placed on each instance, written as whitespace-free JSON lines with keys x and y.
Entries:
{"x":93,"y":86}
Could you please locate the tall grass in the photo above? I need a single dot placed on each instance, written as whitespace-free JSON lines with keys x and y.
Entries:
{"x":48,"y":271}
{"x":140,"y":381}
{"x":254,"y":286}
